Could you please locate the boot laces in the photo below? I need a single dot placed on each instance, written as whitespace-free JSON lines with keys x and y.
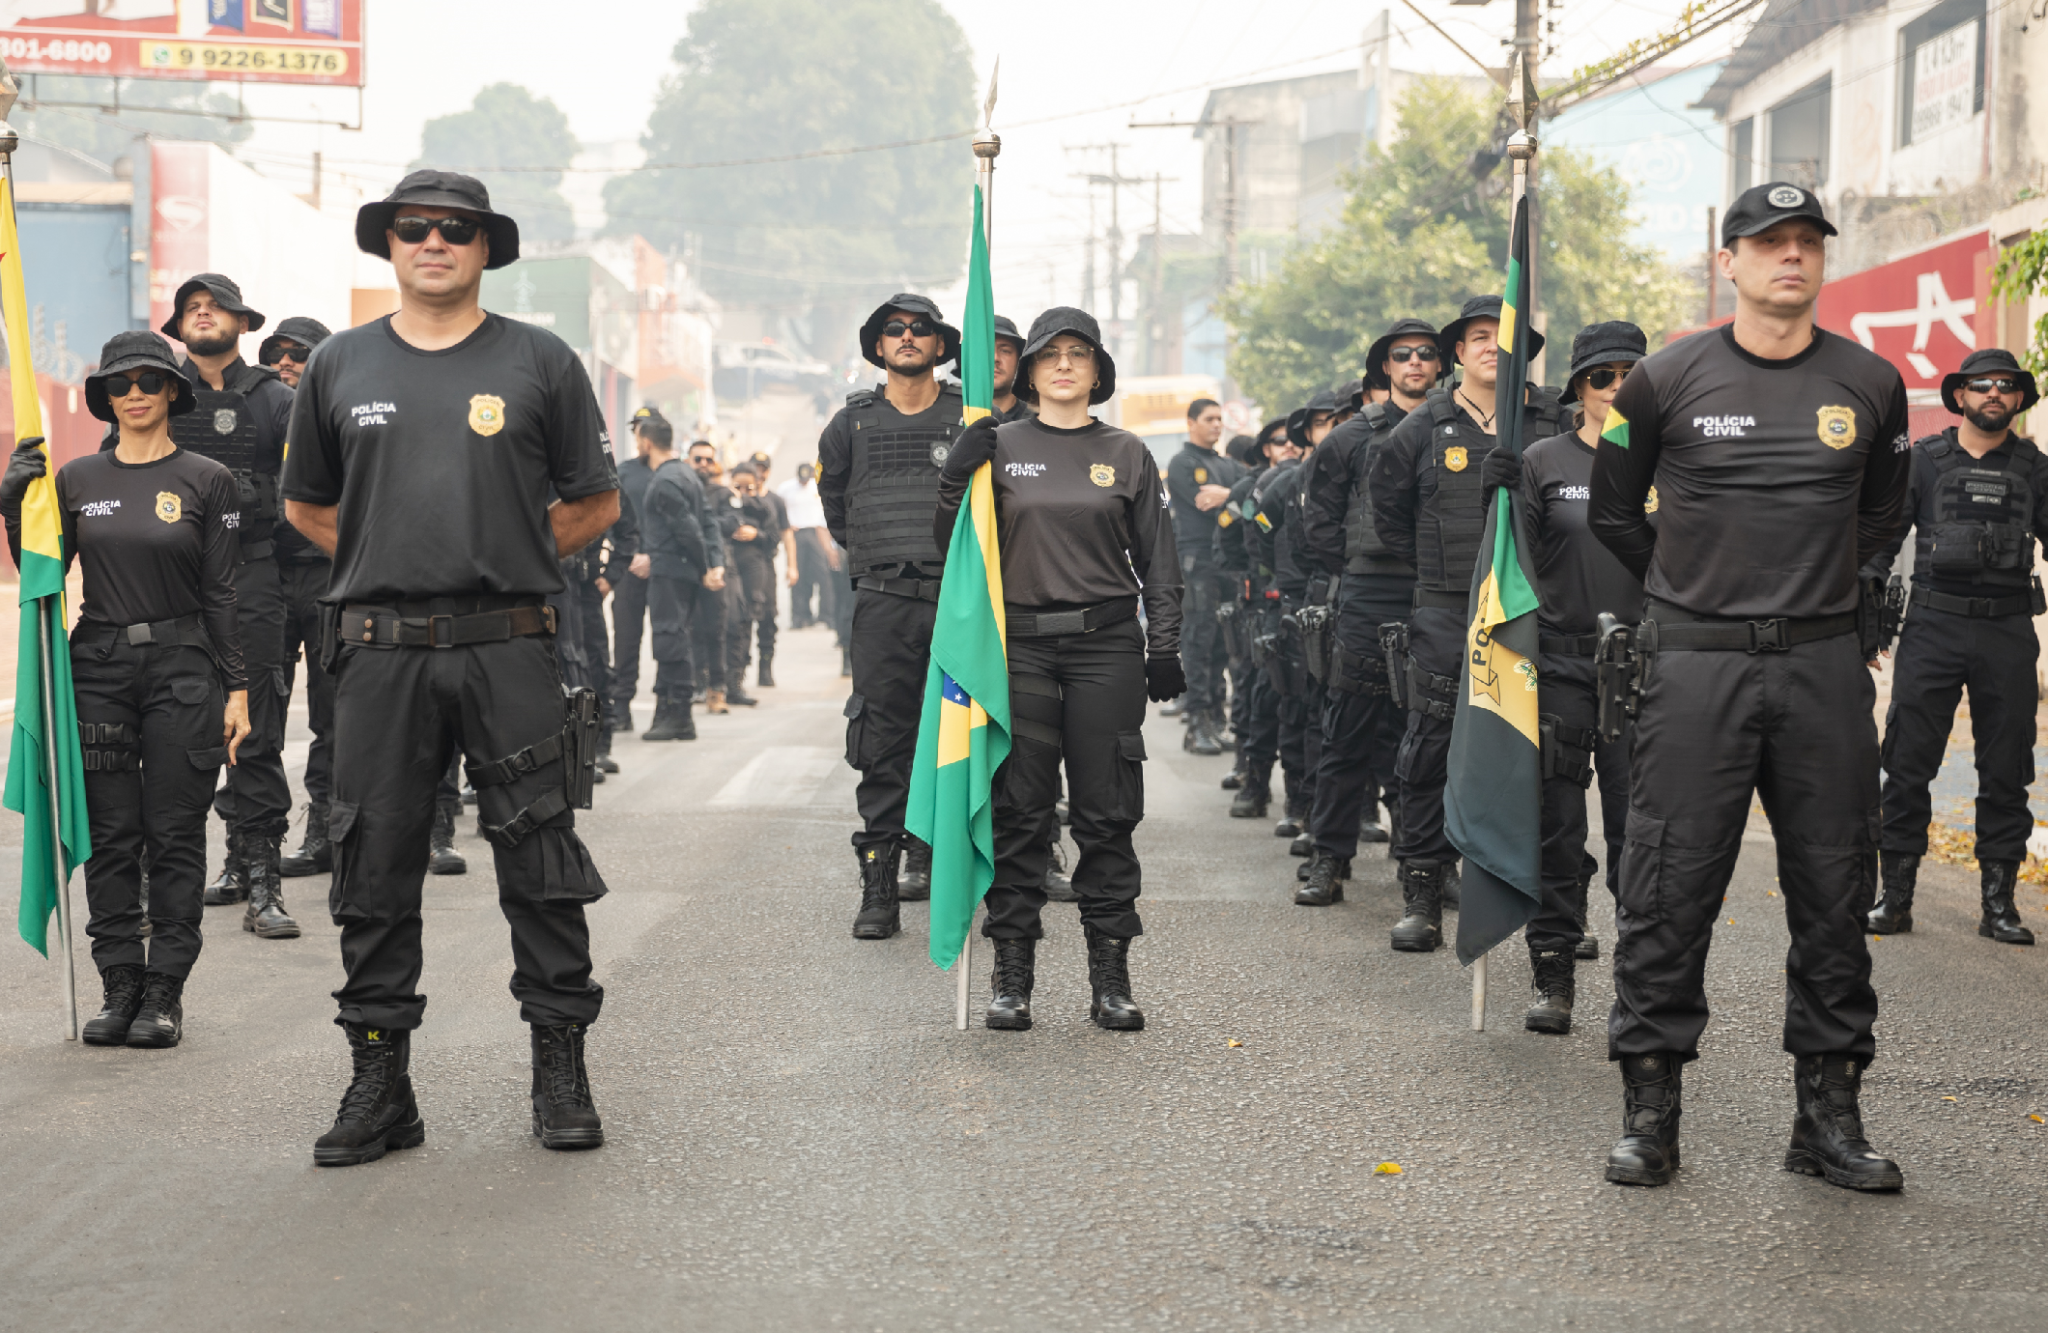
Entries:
{"x":157,"y":990}
{"x":1109,"y":967}
{"x":1013,"y":969}
{"x":376,"y":1064}
{"x":123,"y":985}
{"x":877,"y":886}
{"x":1555,"y":974}
{"x":561,"y":1069}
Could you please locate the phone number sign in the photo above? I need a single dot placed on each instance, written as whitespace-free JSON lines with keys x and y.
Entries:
{"x":249,"y":41}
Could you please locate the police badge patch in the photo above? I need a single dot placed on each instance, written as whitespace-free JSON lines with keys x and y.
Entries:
{"x":486,"y":414}
{"x":168,"y":507}
{"x":224,"y":421}
{"x":1102,"y":474}
{"x":1201,"y":476}
{"x":939,"y":452}
{"x":1837,"y":427}
{"x":1650,"y":501}
{"x":1786,"y":196}
{"x":1455,"y":458}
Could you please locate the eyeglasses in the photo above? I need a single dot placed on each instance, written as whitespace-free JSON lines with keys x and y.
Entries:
{"x":149,"y":381}
{"x":1402,"y":355}
{"x":413,"y":229}
{"x":2003,"y":384}
{"x":1606,"y":375}
{"x":294,"y":353}
{"x":916,"y":328}
{"x":1052,"y":356}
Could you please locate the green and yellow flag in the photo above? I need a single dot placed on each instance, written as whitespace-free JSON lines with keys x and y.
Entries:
{"x":964,"y":735}
{"x":43,"y":865}
{"x":1494,"y":790}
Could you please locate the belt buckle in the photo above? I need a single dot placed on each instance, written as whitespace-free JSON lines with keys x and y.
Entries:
{"x":435,"y":624}
{"x":1768,"y":636}
{"x":139,"y":635}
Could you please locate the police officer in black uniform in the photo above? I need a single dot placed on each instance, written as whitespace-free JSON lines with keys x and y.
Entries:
{"x":1009,"y":344}
{"x":1084,"y":540}
{"x":754,"y":542}
{"x":1577,"y":579}
{"x":239,"y":421}
{"x":629,"y":595}
{"x":708,"y":622}
{"x":1247,"y":550}
{"x":610,"y":565}
{"x":688,"y":558}
{"x":878,"y":476}
{"x":1233,"y":570}
{"x":426,"y":449}
{"x":1429,"y":509}
{"x":1978,"y":500}
{"x":155,"y":645}
{"x":1780,"y":457}
{"x":1198,"y":482}
{"x":1362,"y":717}
{"x":290,"y":345}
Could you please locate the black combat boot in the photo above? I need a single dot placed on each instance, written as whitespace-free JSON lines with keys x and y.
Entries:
{"x":564,"y":1116}
{"x":1827,"y":1131}
{"x":265,"y":917}
{"x":1450,"y":884}
{"x":605,"y":762}
{"x":1235,"y":777}
{"x":1058,"y":888}
{"x":1252,"y":798}
{"x":1202,"y":735}
{"x":1219,"y":727}
{"x":1588,"y":947}
{"x":1893,"y":914}
{"x":1421,"y":927}
{"x":160,"y":1021}
{"x":1371,"y":830}
{"x":1174,"y":707}
{"x":622,"y":715}
{"x":1288,"y":827}
{"x":878,"y":918}
{"x":914,"y":885}
{"x":673,"y":720}
{"x":766,"y":677}
{"x":737,"y":696}
{"x":2001,"y":919}
{"x":232,"y":884}
{"x":1009,"y":986}
{"x":122,"y":985}
{"x":442,"y":858}
{"x":1651,"y":1089}
{"x":1556,"y":984}
{"x":1323,"y":886}
{"x":315,"y":855}
{"x":1109,"y":978}
{"x":378,"y":1111}
{"x":1303,"y":845}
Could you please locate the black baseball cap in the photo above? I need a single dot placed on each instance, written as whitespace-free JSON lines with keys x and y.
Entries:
{"x":438,"y":189}
{"x":1989,"y":361}
{"x":1761,"y":207}
{"x":227,"y":293}
{"x":132,"y":352}
{"x":1051,"y":324}
{"x":949,"y":348}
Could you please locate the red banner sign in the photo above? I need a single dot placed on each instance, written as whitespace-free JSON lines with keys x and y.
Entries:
{"x":1919,"y":312}
{"x":239,"y":41}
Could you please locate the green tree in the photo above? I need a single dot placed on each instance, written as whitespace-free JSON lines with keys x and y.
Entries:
{"x":184,"y":111}
{"x":824,"y":235}
{"x":516,"y":144}
{"x":1425,"y":226}
{"x":2022,"y":272}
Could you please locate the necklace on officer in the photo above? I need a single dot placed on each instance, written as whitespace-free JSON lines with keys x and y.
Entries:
{"x":1486,"y":422}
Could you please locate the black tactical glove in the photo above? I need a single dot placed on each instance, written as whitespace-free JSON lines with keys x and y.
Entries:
{"x":1501,"y":468}
{"x":1164,"y":679}
{"x":24,"y":465}
{"x":976,"y":445}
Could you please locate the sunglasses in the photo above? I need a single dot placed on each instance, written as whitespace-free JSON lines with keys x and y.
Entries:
{"x":413,"y":230}
{"x":1402,"y":355}
{"x":149,"y":381}
{"x":2000,"y":385}
{"x":1606,"y":376}
{"x":916,"y":328}
{"x":293,"y":353}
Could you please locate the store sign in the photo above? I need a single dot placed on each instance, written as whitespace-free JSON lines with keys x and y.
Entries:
{"x":1945,"y":80}
{"x":1919,"y":312}
{"x":241,"y":41}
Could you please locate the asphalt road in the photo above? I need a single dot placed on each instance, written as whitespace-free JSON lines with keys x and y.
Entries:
{"x":799,"y":1139}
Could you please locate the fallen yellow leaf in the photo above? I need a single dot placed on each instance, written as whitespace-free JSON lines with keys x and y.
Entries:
{"x":1235,"y":1042}
{"x":1387,"y":1169}
{"x":1948,"y":1099}
{"x":1731,"y":920}
{"x":2037,"y":1120}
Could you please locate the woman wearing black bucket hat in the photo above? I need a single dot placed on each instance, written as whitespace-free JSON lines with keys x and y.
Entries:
{"x":1085,"y":537}
{"x":155,"y":646}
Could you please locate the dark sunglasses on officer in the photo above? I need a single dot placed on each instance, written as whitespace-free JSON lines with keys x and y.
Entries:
{"x":1402,"y":355}
{"x":151,"y":382}
{"x":293,"y":353}
{"x":414,"y":230}
{"x":2001,"y":385}
{"x":916,"y":328}
{"x":1605,"y":376}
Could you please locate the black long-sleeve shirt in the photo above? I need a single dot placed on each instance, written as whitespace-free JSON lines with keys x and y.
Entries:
{"x":1279,"y":517}
{"x":1233,"y":554}
{"x":681,"y":532}
{"x":1776,"y":480}
{"x":622,"y":540}
{"x":1081,"y":519}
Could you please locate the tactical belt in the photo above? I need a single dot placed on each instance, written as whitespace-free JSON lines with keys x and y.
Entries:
{"x":1680,"y":629}
{"x":1442,"y":601}
{"x":925,"y":590}
{"x":257,"y":550}
{"x":182,"y":632}
{"x":1570,"y":645}
{"x":1054,"y":624}
{"x":1976,"y":608}
{"x":420,"y":625}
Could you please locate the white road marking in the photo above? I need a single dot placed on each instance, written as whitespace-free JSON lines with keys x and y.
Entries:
{"x":781,"y":775}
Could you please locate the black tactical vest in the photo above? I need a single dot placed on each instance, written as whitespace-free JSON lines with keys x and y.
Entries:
{"x":1453,"y":518}
{"x":893,"y":489}
{"x":220,"y":426}
{"x":1983,"y":517}
{"x":1364,"y":552}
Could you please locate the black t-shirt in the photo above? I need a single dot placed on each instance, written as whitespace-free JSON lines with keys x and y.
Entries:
{"x":157,"y":541}
{"x":1081,"y":519}
{"x":444,"y":462}
{"x":1576,"y":577}
{"x":1191,"y":469}
{"x":1776,"y":480}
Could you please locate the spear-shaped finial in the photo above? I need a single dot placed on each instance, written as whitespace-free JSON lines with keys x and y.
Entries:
{"x":988,"y":108}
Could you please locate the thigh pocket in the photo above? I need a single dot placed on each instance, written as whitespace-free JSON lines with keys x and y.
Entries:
{"x":857,"y":731}
{"x":344,"y":831}
{"x":1127,"y":803}
{"x":1642,"y":865}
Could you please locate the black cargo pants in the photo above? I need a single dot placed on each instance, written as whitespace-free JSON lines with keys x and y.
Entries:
{"x":1078,"y":698}
{"x":304,"y":584}
{"x":1570,"y":707}
{"x":149,"y":720}
{"x":1259,"y":741}
{"x":672,"y":608}
{"x":257,"y":798}
{"x":1361,"y":737}
{"x":757,"y":598}
{"x":630,"y":600}
{"x":1436,"y":645}
{"x":597,"y":646}
{"x":1940,"y":654}
{"x":1202,"y":648}
{"x":399,"y":713}
{"x":892,"y":648}
{"x":1794,"y":728}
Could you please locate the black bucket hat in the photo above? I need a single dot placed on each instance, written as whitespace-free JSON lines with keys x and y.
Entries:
{"x":1376,"y":355}
{"x":306,"y":332}
{"x":1051,"y":324}
{"x":1006,"y":329}
{"x":438,"y":189}
{"x":1326,"y":400}
{"x":1598,"y":344}
{"x":136,"y":350}
{"x":227,"y":293}
{"x":949,"y":350}
{"x":1476,"y":307}
{"x":1988,"y":361}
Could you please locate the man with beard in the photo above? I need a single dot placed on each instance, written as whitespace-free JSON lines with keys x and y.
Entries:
{"x":1009,"y":342}
{"x":239,"y":420}
{"x":287,"y":350}
{"x":1978,"y":500}
{"x":1198,"y":482}
{"x":878,"y":475}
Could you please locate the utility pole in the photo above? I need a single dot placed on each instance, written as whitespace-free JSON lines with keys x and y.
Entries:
{"x":1115,"y":180}
{"x":1155,"y":318}
{"x":1230,"y":125}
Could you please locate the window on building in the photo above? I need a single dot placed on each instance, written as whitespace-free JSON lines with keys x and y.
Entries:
{"x":1741,"y":155}
{"x":1799,"y":136}
{"x":1941,"y":70}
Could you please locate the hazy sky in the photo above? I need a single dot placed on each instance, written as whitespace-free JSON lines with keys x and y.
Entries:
{"x":1136,"y":59}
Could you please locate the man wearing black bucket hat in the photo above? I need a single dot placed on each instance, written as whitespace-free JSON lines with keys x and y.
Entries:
{"x":238,"y":420}
{"x":1009,"y":343}
{"x":290,"y":345}
{"x":1429,"y":509}
{"x":878,"y":477}
{"x":1780,"y":457}
{"x":1362,"y":717}
{"x":1978,"y":501}
{"x":427,"y":448}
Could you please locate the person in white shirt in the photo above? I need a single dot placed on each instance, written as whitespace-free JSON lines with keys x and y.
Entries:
{"x":815,"y":554}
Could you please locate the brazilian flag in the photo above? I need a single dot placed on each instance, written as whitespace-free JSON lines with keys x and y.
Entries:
{"x":964,"y":734}
{"x":1493,"y":794}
